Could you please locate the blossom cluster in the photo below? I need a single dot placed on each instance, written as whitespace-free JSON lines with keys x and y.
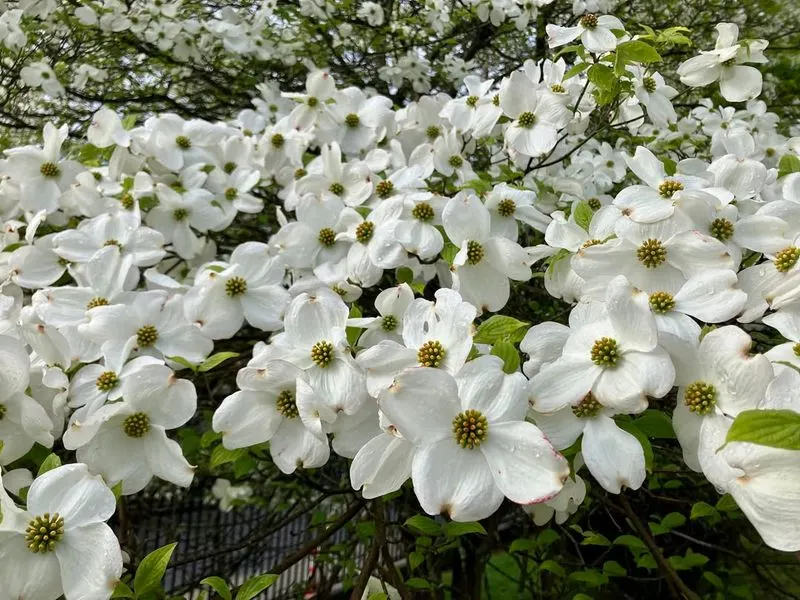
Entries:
{"x":119,"y":275}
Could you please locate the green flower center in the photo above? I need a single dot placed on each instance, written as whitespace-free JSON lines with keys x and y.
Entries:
{"x":649,"y":84}
{"x":594,"y":203}
{"x":352,"y":120}
{"x":455,"y":161}
{"x":431,"y":354}
{"x":588,"y":407}
{"x":661,"y":302}
{"x":796,"y":349}
{"x":183,"y":142}
{"x":557,"y":88}
{"x":384,"y":188}
{"x":322,"y":353}
{"x":286,"y":404}
{"x":668,"y":187}
{"x":474,"y":252}
{"x":722,"y":229}
{"x":231,"y":193}
{"x":146,"y":336}
{"x":590,"y":243}
{"x":604,"y":353}
{"x":527,"y":120}
{"x":423,"y":212}
{"x":700,"y":397}
{"x":336,"y":188}
{"x":136,"y":425}
{"x":113,"y":242}
{"x":312,"y":101}
{"x":472,"y":101}
{"x":786,"y":259}
{"x":433,"y":132}
{"x":652,"y":253}
{"x":49,"y":169}
{"x":364,"y":231}
{"x":107,"y":381}
{"x":496,"y":99}
{"x":470,"y":429}
{"x":327,"y":237}
{"x":235,"y":286}
{"x":277,"y":140}
{"x":389,"y":323}
{"x":127,"y":201}
{"x":95,"y":302}
{"x":229,"y":167}
{"x":44,"y":532}
{"x":589,"y":21}
{"x":300,"y":173}
{"x":180,"y":214}
{"x":3,"y":411}
{"x":506,"y":207}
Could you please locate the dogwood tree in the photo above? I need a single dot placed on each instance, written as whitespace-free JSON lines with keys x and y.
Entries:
{"x":485,"y":262}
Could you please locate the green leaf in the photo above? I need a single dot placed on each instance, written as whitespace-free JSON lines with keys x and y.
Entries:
{"x":713,"y":579}
{"x":122,"y":591}
{"x":151,"y":570}
{"x":583,"y":214}
{"x":453,"y":529}
{"x":613,"y":569}
{"x":547,"y":537}
{"x":553,"y":567}
{"x":353,"y":333}
{"x":218,"y":585}
{"x":576,"y":70}
{"x":182,"y":361}
{"x":670,"y":166}
{"x":117,"y":490}
{"x":48,"y":464}
{"x":522,"y":545}
{"x":595,"y":539}
{"x":481,"y":186}
{"x":602,"y":76}
{"x":788,"y":164}
{"x":509,"y":354}
{"x":500,"y":328}
{"x":591,"y":577}
{"x":673,"y":520}
{"x":221,"y":455}
{"x":773,"y":428}
{"x":637,"y":51}
{"x":129,"y":121}
{"x":405,"y":275}
{"x":727,"y":504}
{"x":634,"y":543}
{"x":448,"y":253}
{"x":703,"y":510}
{"x":215,"y":360}
{"x":378,"y":596}
{"x":423,"y":525}
{"x":418,"y":583}
{"x":255,"y":585}
{"x":415,"y":559}
{"x":689,"y":561}
{"x":655,"y":424}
